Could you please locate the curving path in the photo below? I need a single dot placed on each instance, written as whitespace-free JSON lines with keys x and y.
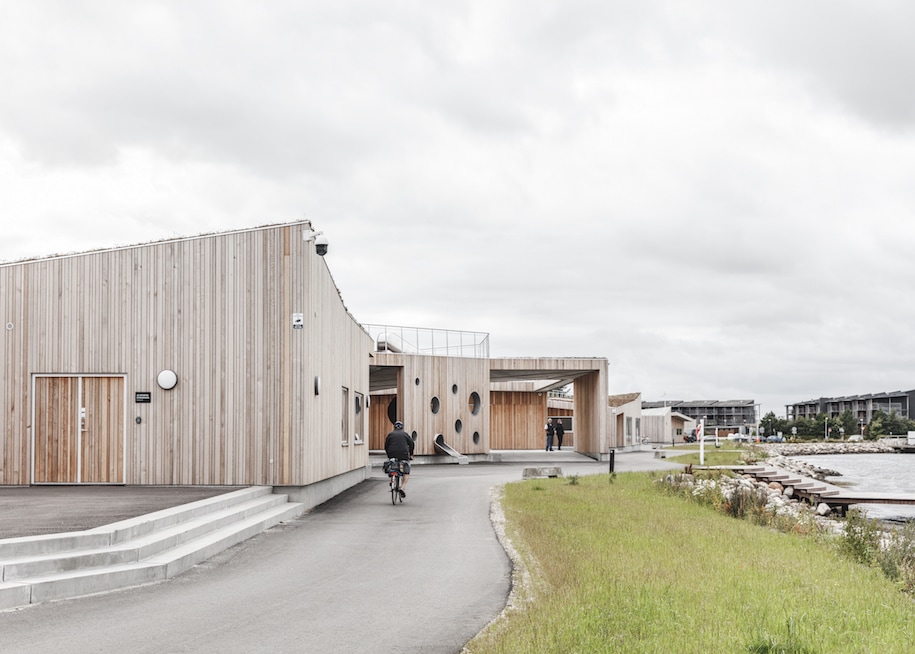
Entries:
{"x":354,"y":575}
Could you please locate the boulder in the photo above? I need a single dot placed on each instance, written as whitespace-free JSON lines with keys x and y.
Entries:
{"x":543,"y":471}
{"x":823,"y":509}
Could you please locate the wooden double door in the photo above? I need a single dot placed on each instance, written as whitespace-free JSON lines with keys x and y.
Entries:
{"x":78,"y":429}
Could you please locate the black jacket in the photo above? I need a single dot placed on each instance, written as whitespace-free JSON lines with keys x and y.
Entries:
{"x":398,"y":445}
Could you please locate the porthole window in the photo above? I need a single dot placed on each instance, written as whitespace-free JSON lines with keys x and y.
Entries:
{"x":435,"y":405}
{"x":475,"y":403}
{"x":454,"y":388}
{"x":458,"y":426}
{"x":476,"y":438}
{"x":416,"y":381}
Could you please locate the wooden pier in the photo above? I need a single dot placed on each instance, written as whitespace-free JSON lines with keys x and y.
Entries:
{"x":815,"y":491}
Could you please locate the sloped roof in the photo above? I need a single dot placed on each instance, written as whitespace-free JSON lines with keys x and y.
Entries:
{"x":620,"y":400}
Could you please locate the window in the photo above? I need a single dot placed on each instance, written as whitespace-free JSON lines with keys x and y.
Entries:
{"x":345,"y":418}
{"x":360,"y":418}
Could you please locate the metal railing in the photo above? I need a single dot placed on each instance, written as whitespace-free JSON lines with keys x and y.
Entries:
{"x":431,"y":342}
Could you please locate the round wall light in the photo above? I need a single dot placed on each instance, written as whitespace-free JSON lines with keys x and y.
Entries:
{"x":167,"y":379}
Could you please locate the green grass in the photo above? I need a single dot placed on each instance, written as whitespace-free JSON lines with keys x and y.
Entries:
{"x":619,"y":566}
{"x":728,"y":455}
{"x":714,"y":458}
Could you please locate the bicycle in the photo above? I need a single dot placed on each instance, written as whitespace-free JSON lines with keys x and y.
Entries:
{"x":394,"y":468}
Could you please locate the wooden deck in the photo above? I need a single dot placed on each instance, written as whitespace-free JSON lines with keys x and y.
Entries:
{"x":815,"y":491}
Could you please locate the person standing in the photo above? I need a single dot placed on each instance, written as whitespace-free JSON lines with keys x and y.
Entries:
{"x":560,"y":430}
{"x":550,"y":430}
{"x":398,"y":445}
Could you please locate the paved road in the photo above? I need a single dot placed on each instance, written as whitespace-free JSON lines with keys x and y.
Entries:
{"x":354,"y":575}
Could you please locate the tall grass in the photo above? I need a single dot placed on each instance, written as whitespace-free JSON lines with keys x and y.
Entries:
{"x":623,"y":568}
{"x":868,"y":542}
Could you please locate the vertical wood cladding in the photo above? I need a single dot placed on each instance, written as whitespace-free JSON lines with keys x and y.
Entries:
{"x":218,"y":310}
{"x":435,"y":395}
{"x":517,"y":420}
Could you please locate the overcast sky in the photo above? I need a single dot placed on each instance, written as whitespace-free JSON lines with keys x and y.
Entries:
{"x":716,"y":196}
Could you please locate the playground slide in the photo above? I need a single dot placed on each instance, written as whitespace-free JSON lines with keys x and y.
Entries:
{"x":444,"y":448}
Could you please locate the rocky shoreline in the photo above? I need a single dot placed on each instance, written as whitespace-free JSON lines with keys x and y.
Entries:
{"x":781,"y":500}
{"x":836,"y":447}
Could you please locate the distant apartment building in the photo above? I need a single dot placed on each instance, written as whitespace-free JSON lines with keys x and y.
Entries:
{"x":727,"y":415}
{"x":862,"y":407}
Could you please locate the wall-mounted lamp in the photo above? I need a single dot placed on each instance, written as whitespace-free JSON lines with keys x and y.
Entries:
{"x":167,"y":379}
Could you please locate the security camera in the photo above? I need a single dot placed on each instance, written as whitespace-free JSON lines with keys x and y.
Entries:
{"x":321,"y":244}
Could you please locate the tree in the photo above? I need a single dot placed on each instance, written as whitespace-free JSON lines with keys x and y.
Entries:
{"x":846,"y":421}
{"x":893,"y":424}
{"x":807,"y":428}
{"x":770,"y":424}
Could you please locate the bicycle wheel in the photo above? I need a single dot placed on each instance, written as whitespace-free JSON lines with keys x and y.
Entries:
{"x":395,"y":489}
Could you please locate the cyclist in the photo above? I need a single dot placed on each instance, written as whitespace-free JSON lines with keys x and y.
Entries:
{"x":398,"y":445}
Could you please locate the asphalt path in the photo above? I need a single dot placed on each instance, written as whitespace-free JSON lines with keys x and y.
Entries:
{"x":355,"y":574}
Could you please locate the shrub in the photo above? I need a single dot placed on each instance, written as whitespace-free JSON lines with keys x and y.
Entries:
{"x":897,"y":557}
{"x":860,"y":539}
{"x":747,"y":503}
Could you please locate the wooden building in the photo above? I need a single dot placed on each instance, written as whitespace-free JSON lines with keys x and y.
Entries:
{"x":476,"y":404}
{"x":230,"y":359}
{"x":226,"y":359}
{"x":625,"y":420}
{"x":662,"y":425}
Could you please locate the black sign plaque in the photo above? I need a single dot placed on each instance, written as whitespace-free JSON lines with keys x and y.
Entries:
{"x":144,"y":397}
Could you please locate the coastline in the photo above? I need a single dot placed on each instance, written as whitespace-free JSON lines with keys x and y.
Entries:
{"x":783,"y":453}
{"x":827,"y":447}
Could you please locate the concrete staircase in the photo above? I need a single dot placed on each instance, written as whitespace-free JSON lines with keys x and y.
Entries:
{"x":141,"y":550}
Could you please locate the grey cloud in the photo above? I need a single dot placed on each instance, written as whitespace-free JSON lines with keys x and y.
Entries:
{"x":861,"y":55}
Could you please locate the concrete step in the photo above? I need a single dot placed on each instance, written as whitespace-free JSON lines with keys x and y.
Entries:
{"x":149,"y":549}
{"x":131,"y":551}
{"x":125,"y":529}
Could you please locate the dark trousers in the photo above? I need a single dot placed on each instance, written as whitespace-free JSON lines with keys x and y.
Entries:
{"x":559,"y":441}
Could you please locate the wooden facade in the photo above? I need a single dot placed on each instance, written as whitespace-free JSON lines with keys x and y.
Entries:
{"x":518,"y":418}
{"x":625,"y":420}
{"x":434,"y":395}
{"x":271,"y":369}
{"x":469,"y":402}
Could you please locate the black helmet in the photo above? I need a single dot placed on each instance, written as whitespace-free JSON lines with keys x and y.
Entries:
{"x":398,"y":425}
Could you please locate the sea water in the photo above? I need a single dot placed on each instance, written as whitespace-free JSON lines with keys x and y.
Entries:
{"x":873,"y":473}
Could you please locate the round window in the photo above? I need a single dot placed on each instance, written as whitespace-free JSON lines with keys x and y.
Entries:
{"x":475,"y":403}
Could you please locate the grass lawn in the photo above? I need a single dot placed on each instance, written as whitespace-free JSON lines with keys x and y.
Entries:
{"x":727,"y":455}
{"x":620,"y":566}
